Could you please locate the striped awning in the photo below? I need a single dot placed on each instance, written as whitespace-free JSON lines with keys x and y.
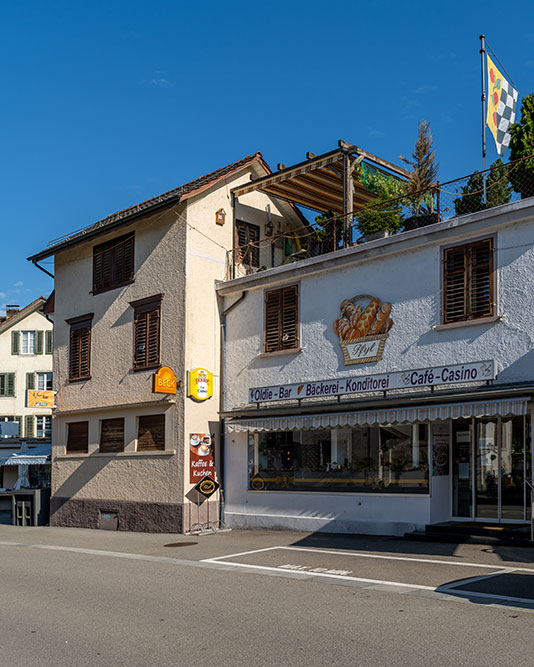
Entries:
{"x":423,"y":413}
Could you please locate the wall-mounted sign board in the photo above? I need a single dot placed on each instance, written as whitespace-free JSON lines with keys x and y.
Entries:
{"x":200,"y":384}
{"x":165,"y":381}
{"x":478,"y":371}
{"x":37,"y":398}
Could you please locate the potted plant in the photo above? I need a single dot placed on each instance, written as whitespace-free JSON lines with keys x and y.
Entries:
{"x":383,"y":216}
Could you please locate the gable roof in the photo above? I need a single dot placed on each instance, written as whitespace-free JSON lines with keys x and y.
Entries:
{"x":7,"y":323}
{"x":181,"y":193}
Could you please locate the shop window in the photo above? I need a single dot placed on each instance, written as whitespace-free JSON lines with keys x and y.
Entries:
{"x":7,"y":384}
{"x":247,"y":237}
{"x":147,"y":315}
{"x":43,"y":426}
{"x":151,"y":433}
{"x":282,"y":319}
{"x":80,"y":348}
{"x":113,"y":264}
{"x":468,"y":283}
{"x":78,"y":438}
{"x":378,"y":459}
{"x":112,"y":435}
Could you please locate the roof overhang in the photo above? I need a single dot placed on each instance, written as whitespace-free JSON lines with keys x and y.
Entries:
{"x":319,"y":183}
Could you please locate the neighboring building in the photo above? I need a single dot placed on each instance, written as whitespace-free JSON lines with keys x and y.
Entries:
{"x":26,"y":341}
{"x":134,"y":293}
{"x":387,"y":385}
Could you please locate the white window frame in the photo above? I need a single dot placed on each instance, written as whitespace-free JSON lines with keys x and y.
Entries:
{"x":42,"y":378}
{"x":26,"y":339}
{"x":40,"y":425}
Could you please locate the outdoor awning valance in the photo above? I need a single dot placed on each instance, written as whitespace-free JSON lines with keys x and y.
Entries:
{"x":426,"y":413}
{"x":36,"y":456}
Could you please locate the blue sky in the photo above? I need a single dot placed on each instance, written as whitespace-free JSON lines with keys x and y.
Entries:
{"x":108,"y":103}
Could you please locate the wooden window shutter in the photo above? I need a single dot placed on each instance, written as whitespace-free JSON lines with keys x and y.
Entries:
{"x":147,"y":328}
{"x":80,"y":348}
{"x":113,"y":263}
{"x":247,"y":237}
{"x":78,"y":437}
{"x":30,"y":380}
{"x":10,"y":384}
{"x":281,"y":319}
{"x":151,"y":433}
{"x":481,"y":279}
{"x":468,"y":282}
{"x":28,"y":426}
{"x":15,"y":342}
{"x":49,"y":342}
{"x":39,"y":335}
{"x":112,"y":435}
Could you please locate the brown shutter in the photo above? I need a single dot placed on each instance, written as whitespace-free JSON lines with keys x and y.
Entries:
{"x":147,"y":332}
{"x":78,"y":437}
{"x":468,"y":282}
{"x":273,"y":320}
{"x":112,"y":435}
{"x":454,"y":285}
{"x":80,"y":351}
{"x":113,"y":263}
{"x":481,"y":279}
{"x":282,"y":319}
{"x":290,"y":317}
{"x":248,"y":236}
{"x":151,"y":433}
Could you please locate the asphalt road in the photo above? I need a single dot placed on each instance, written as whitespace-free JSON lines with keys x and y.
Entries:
{"x":73,"y":597}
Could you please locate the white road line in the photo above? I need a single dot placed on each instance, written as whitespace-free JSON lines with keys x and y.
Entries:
{"x":308,"y":574}
{"x":405,"y":558}
{"x":501,"y":568}
{"x":242,"y":553}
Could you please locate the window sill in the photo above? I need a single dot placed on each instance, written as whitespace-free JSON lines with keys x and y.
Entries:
{"x":468,"y":323}
{"x":281,"y":353}
{"x":146,"y":368}
{"x":84,"y":379}
{"x":114,"y":455}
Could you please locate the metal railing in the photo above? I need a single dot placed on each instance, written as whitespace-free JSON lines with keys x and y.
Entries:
{"x":502,"y":183}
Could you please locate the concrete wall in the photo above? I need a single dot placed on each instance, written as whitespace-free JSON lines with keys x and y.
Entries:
{"x":160,"y":247}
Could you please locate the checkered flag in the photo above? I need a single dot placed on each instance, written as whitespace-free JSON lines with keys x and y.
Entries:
{"x":502,"y":102}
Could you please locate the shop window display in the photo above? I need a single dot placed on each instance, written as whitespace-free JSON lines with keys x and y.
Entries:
{"x":377,"y":459}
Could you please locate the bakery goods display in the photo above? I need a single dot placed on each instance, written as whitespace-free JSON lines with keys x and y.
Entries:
{"x":362,"y":316}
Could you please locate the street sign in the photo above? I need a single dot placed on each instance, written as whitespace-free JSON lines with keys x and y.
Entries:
{"x":207,"y":487}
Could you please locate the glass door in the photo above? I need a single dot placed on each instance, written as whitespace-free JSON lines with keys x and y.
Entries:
{"x":486,"y":487}
{"x":515,"y":462}
{"x":462,"y":468}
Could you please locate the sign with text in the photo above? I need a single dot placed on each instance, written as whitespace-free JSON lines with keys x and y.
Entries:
{"x":207,"y":487}
{"x":478,"y":371}
{"x":37,"y":398}
{"x":200,"y":384}
{"x":165,"y":381}
{"x":201,"y":458}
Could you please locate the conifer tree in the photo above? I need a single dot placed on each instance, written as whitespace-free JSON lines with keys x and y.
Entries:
{"x":522,"y":146}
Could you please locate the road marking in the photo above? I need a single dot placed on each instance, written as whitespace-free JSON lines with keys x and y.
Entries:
{"x":376,"y":556}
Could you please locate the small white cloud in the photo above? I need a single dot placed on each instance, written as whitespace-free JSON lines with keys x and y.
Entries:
{"x":19,"y":283}
{"x":3,"y":295}
{"x":425,"y":89}
{"x":158,"y":80}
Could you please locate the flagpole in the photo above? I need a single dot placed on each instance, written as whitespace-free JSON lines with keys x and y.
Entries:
{"x":483,"y":99}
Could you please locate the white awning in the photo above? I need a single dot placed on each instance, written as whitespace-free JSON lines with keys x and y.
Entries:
{"x":36,"y":456}
{"x":422,"y":413}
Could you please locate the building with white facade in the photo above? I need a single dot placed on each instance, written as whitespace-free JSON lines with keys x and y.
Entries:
{"x":387,"y":385}
{"x":26,"y":340}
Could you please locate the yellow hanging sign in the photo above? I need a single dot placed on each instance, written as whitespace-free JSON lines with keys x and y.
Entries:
{"x":200,"y":384}
{"x":37,"y":398}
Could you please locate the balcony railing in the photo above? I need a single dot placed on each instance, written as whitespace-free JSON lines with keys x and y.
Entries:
{"x":481,"y":190}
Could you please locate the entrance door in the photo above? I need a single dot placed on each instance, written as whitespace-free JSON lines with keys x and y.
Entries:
{"x":490,"y":463}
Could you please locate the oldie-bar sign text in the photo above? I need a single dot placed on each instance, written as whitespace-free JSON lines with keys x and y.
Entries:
{"x":478,"y":371}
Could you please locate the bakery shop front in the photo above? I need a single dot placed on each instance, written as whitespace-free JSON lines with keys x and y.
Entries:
{"x":386,"y":465}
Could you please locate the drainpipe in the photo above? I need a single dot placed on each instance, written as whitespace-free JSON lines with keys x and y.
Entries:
{"x":222,"y":337}
{"x":34,"y":262}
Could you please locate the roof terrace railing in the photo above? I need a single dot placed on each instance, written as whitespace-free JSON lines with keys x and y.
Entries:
{"x":479,"y":191}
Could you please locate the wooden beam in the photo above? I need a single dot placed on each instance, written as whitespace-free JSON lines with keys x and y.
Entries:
{"x":351,"y":148}
{"x":281,"y":166}
{"x":310,"y":156}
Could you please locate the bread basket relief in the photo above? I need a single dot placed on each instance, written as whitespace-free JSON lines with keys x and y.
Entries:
{"x":362,"y":327}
